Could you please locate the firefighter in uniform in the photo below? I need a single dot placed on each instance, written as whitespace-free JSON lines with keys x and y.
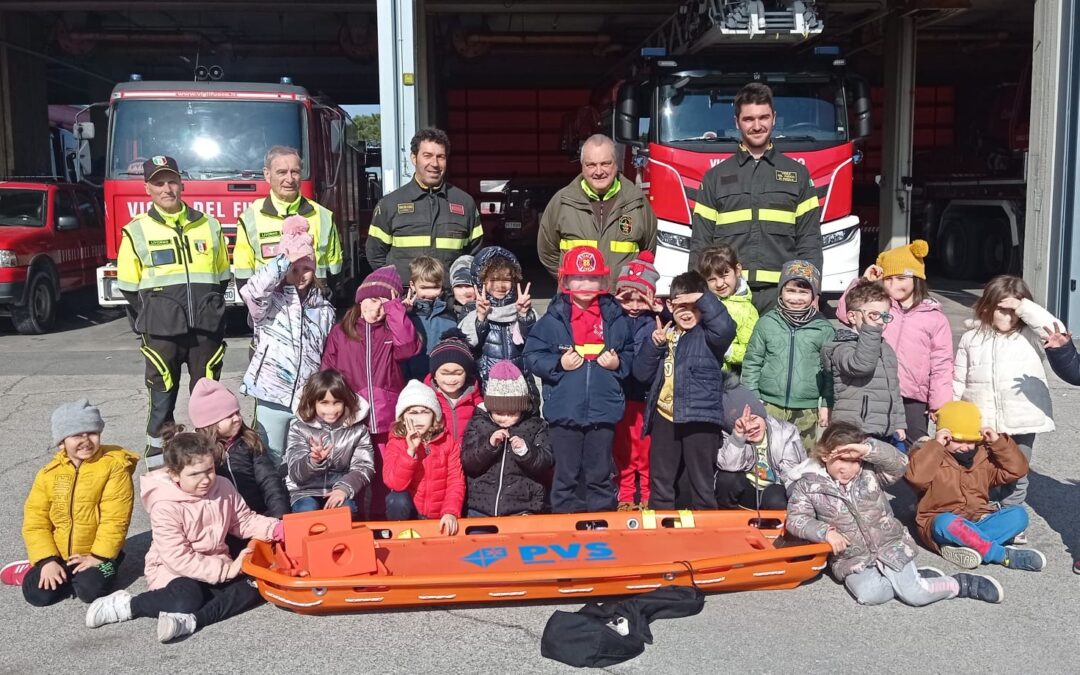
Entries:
{"x":426,"y":216}
{"x":759,"y":201}
{"x":258,"y":229}
{"x":173,"y":267}
{"x":599,"y":209}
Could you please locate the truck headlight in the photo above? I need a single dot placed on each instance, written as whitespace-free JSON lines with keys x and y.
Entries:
{"x":839,"y":237}
{"x":673,"y":240}
{"x":8,"y":259}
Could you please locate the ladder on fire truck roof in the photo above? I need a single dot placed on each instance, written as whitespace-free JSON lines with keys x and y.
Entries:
{"x":700,"y":24}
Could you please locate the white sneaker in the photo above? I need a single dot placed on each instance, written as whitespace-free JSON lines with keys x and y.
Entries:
{"x":112,"y":608}
{"x":962,"y":556}
{"x":1020,"y":539}
{"x":172,"y":625}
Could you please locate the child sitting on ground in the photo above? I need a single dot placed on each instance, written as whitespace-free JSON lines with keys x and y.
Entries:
{"x":423,"y":462}
{"x":863,"y":367}
{"x":506,"y":454}
{"x":240,"y":456}
{"x":837,"y":497}
{"x":431,"y":315}
{"x":783,"y":360}
{"x":635,"y":289}
{"x":581,"y":350}
{"x":193,"y":578}
{"x":463,"y":286}
{"x":329,"y":454}
{"x":499,"y":325}
{"x":722,"y":271}
{"x":757,"y":455}
{"x":453,"y":377}
{"x":684,"y":411}
{"x":77,"y":513}
{"x":953,"y":474}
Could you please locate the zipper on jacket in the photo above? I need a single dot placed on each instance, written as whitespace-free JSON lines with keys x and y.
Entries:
{"x":502,"y":472}
{"x":71,"y":511}
{"x":588,"y":401}
{"x":370,"y":384}
{"x":185,"y":255}
{"x":790,"y":366}
{"x":300,"y":360}
{"x":865,"y":405}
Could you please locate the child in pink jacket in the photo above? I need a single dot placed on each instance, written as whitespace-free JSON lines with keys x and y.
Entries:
{"x":917,"y":330}
{"x":193,"y":578}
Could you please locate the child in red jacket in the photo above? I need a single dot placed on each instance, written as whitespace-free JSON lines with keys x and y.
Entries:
{"x":454,"y":381}
{"x":422,"y":462}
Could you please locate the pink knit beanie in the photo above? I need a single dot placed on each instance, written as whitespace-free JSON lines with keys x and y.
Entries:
{"x":211,"y":402}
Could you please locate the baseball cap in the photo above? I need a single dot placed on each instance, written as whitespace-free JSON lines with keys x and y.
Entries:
{"x":157,"y":164}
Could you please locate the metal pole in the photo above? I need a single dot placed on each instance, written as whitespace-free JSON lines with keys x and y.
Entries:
{"x":397,"y":88}
{"x":897,"y":130}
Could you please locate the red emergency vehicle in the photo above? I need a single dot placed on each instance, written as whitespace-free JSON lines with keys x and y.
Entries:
{"x":219,"y":132}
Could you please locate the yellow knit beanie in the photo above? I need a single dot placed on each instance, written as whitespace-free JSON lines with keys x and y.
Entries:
{"x":905,"y":260}
{"x":962,"y":418}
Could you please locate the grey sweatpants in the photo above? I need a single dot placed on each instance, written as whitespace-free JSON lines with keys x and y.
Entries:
{"x":876,"y":585}
{"x":1015,"y":494}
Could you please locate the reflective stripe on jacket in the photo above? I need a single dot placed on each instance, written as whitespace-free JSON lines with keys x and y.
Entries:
{"x":766,"y":209}
{"x":258,"y":232}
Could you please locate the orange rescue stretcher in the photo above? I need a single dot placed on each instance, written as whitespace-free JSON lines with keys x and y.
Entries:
{"x":329,"y":564}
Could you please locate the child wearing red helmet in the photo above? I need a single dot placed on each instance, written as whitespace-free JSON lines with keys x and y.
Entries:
{"x":581,"y":350}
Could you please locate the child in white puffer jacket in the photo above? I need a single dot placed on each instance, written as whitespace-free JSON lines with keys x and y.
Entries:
{"x":999,"y":367}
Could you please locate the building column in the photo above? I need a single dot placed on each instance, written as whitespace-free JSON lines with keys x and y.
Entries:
{"x":897,"y":128}
{"x":24,"y":103}
{"x":1051,"y":253}
{"x":397,"y":88}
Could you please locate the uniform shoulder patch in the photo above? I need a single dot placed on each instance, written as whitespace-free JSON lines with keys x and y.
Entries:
{"x":728,"y":179}
{"x":407,"y":207}
{"x":787,"y":176}
{"x":457,"y":209}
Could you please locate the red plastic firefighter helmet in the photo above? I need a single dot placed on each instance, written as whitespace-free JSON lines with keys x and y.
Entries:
{"x":586,"y":261}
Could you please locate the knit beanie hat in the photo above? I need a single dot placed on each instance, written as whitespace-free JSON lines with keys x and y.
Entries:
{"x":639,"y":274}
{"x":803,"y":270}
{"x":453,"y":347}
{"x":506,"y":389}
{"x":379,"y":284}
{"x":461,"y":271}
{"x":296,"y":242}
{"x":962,"y":419}
{"x":905,"y":260}
{"x":735,"y":401}
{"x":417,"y":393}
{"x":211,"y":402}
{"x":77,"y":417}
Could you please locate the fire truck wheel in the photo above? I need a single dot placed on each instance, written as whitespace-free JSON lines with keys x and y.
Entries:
{"x":39,"y":313}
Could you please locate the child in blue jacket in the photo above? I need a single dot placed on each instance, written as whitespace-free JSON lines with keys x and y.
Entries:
{"x":684,"y":411}
{"x":581,"y":350}
{"x":431,"y":315}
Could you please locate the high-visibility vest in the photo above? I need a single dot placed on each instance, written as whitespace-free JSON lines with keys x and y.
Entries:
{"x":166,"y":256}
{"x":259,"y":231}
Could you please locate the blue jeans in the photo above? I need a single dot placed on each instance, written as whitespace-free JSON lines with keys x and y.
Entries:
{"x":273,"y":420}
{"x":315,"y":503}
{"x":987,"y":536}
{"x":400,"y":506}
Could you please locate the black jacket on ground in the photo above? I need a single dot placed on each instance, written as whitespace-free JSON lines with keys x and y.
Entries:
{"x":499,"y":482}
{"x":256,"y":479}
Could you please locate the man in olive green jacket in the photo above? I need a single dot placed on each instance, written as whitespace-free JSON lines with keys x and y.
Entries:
{"x":598,"y":208}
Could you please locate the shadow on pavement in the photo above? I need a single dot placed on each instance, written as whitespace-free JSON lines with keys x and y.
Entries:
{"x":1058,"y":503}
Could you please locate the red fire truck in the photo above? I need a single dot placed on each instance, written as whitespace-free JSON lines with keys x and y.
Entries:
{"x":218,"y":132}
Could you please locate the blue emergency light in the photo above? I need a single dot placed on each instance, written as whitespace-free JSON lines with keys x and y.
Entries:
{"x":653,"y":52}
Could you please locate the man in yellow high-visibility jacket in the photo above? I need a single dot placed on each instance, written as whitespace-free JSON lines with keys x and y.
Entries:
{"x":173,"y":267}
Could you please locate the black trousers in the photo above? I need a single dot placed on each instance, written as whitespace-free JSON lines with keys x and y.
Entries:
{"x":918,"y":423}
{"x":202,"y":353}
{"x":583,"y":459}
{"x":88,"y":585}
{"x":209,"y":603}
{"x":734,"y":490}
{"x":690,"y":447}
{"x":765,"y":296}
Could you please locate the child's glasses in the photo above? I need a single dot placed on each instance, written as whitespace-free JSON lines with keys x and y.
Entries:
{"x":873,"y":315}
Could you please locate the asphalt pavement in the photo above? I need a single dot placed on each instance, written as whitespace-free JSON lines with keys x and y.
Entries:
{"x":817,"y":628}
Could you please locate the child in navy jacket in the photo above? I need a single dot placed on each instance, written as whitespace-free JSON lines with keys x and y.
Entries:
{"x":684,"y":411}
{"x":581,"y":350}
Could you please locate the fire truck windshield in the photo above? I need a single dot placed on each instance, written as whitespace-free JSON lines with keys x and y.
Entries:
{"x":209,"y":139}
{"x":703,"y":112}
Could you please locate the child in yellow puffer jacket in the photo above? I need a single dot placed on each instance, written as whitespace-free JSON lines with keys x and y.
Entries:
{"x":723,"y":273}
{"x":76,"y":517}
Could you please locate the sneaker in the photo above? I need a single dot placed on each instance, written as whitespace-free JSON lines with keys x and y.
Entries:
{"x":172,"y":625}
{"x":1020,"y":539}
{"x":13,"y":573}
{"x":112,"y":608}
{"x":1076,"y":566}
{"x":962,"y":556}
{"x":625,"y":506}
{"x":930,"y":573}
{"x":1027,"y":559}
{"x":979,"y":587}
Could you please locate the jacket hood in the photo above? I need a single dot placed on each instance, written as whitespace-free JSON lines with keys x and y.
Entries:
{"x":429,"y":307}
{"x":361,"y":414}
{"x":809,"y":467}
{"x":488,"y":255}
{"x":742,"y":292}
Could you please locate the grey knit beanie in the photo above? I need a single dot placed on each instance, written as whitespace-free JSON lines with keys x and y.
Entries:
{"x":735,"y":401}
{"x":77,"y":417}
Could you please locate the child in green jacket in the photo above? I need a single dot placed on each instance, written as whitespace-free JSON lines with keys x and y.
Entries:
{"x":783,"y":360}
{"x":723,"y":273}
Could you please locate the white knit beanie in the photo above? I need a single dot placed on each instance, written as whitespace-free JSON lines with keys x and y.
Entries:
{"x":417,"y":393}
